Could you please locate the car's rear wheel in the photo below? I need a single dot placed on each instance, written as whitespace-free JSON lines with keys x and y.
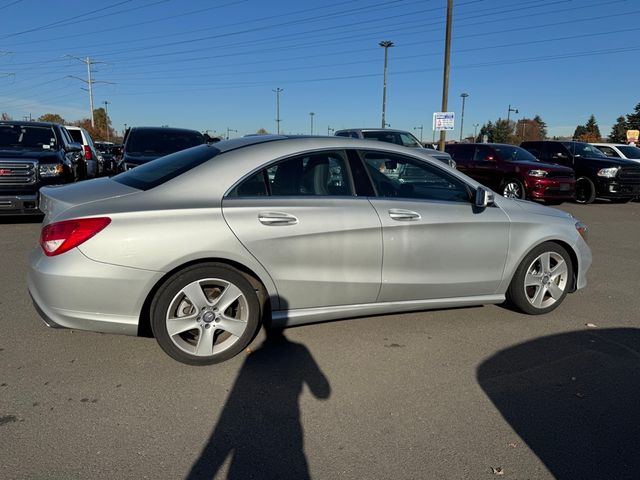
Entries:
{"x":585,"y":190}
{"x":513,"y":188}
{"x":205,"y":314}
{"x":542,"y":279}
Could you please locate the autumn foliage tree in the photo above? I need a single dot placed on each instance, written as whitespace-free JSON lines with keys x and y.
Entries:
{"x":52,"y":118}
{"x":589,"y":132}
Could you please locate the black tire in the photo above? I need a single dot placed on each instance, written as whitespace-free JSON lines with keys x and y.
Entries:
{"x":620,"y":200}
{"x":171,"y":304}
{"x":519,"y":295}
{"x":513,"y":188}
{"x":585,"y":191}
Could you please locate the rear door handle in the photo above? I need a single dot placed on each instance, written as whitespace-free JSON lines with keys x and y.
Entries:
{"x":276,"y":218}
{"x":403,"y":215}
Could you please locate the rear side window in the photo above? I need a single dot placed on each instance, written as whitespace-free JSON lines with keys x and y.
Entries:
{"x":76,"y":135}
{"x":157,"y":172}
{"x":317,"y":174}
{"x":461,"y":153}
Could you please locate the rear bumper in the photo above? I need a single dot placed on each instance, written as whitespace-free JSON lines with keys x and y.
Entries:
{"x":72,"y":291}
{"x":19,"y":204}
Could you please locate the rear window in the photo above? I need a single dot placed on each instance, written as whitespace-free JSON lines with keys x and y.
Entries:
{"x":161,"y":170}
{"x":27,"y":136}
{"x":76,"y":135}
{"x":161,"y":142}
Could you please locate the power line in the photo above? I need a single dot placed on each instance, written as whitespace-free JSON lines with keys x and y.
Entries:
{"x":10,"y":4}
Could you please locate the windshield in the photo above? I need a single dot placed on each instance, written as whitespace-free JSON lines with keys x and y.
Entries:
{"x":161,"y":142}
{"x":156,"y":172}
{"x":514,"y":154}
{"x":630,"y":151}
{"x":27,"y":136}
{"x":580,"y":149}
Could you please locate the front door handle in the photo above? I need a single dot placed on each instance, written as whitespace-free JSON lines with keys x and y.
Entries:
{"x":403,"y":215}
{"x":276,"y":218}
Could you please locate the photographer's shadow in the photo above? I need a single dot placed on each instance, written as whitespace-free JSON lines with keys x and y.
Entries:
{"x":574,"y":398}
{"x":259,"y":427}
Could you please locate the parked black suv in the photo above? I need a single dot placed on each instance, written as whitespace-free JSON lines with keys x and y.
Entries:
{"x":32,"y":155}
{"x":143,"y":144}
{"x":596,"y":174}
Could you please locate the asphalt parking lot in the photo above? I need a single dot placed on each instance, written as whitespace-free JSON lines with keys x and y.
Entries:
{"x":464,"y":393}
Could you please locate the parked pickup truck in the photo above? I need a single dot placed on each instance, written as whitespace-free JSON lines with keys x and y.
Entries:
{"x":32,"y":155}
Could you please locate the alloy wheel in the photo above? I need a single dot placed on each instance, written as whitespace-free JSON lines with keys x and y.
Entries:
{"x":546,"y":280}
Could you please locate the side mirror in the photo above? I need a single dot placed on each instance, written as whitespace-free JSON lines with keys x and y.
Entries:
{"x":484,"y":198}
{"x":73,"y":148}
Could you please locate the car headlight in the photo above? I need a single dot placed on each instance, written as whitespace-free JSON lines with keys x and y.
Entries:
{"x":583,"y":230}
{"x":537,"y":173}
{"x":608,"y":172}
{"x":50,"y":169}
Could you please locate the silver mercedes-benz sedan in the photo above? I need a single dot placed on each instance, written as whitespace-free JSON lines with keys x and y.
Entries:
{"x":202,"y":246}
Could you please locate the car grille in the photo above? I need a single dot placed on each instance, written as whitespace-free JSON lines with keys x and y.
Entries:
{"x":17,"y":172}
{"x":559,"y":175}
{"x":629,"y":175}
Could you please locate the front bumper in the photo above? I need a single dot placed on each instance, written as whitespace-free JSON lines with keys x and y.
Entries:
{"x":551,"y":188}
{"x":72,"y":291}
{"x":583,"y":253}
{"x":612,"y":188}
{"x":19,"y":204}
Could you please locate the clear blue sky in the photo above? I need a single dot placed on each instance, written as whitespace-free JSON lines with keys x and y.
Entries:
{"x":213,"y":65}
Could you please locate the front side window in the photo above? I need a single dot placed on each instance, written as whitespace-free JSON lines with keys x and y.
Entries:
{"x":317,"y":174}
{"x":608,"y":151}
{"x":514,"y":154}
{"x":584,"y":150}
{"x":395,"y":176}
{"x":409,"y":140}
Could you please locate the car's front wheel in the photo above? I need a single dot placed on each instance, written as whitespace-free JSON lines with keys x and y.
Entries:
{"x":205,"y":314}
{"x":585,"y":190}
{"x":513,"y":189}
{"x":542,"y":280}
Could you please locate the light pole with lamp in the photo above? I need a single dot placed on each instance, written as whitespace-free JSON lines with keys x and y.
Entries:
{"x":311,"y":115}
{"x":475,"y":131}
{"x":385,"y":44}
{"x":514,"y":110}
{"x":464,"y":97}
{"x":421,"y":128}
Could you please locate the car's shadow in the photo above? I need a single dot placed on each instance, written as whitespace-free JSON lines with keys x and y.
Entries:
{"x":20,"y":219}
{"x":574,"y":399}
{"x":259,"y":428}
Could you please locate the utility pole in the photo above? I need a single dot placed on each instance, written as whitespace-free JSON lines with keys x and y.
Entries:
{"x":385,"y":44}
{"x":330,"y":130}
{"x":88,"y":62}
{"x":230,"y":130}
{"x":311,"y":114}
{"x":277,"y":91}
{"x":421,"y":128}
{"x":445,"y":79}
{"x":464,"y":97}
{"x":106,"y":117}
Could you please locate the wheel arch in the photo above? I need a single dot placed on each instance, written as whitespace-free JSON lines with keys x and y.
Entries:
{"x":572,"y":255}
{"x":264,"y":297}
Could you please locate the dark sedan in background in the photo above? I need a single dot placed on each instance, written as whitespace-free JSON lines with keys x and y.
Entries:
{"x":514,"y":172}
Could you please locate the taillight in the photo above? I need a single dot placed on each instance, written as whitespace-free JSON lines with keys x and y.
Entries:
{"x":59,"y":237}
{"x":87,"y":152}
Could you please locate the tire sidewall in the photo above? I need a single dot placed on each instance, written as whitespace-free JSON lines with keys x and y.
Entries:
{"x":592,"y":190}
{"x":166,"y":293}
{"x":520,"y":186}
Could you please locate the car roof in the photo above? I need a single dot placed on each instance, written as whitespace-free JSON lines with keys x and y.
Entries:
{"x":373,"y":129}
{"x":167,"y":129}
{"x":31,"y":124}
{"x":609,"y":144}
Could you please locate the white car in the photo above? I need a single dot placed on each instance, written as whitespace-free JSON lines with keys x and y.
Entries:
{"x":89,"y":152}
{"x":619,"y":150}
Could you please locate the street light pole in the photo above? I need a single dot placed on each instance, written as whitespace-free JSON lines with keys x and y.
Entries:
{"x":329,"y":130}
{"x":311,"y":114}
{"x":230,"y":130}
{"x":515,"y":110}
{"x":475,"y":131}
{"x":464,"y":97}
{"x":421,"y":128}
{"x":278,"y":90}
{"x":445,"y":79}
{"x":385,"y":44}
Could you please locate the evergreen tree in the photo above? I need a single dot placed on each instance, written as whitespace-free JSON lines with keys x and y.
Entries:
{"x":619,"y":131}
{"x":543,"y":126}
{"x":633,"y":120}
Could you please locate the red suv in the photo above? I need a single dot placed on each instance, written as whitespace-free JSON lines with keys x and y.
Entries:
{"x":514,"y":172}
